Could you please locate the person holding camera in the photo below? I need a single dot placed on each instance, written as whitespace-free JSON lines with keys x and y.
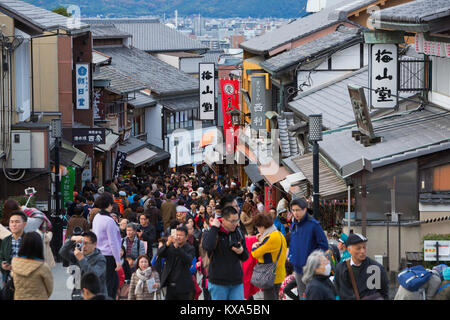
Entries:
{"x":81,"y":250}
{"x":176,"y":274}
{"x":226,"y":249}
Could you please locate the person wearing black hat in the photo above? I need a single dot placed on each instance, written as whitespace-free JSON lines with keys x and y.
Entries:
{"x":360,"y":277}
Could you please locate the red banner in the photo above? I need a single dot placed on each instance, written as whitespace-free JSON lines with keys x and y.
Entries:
{"x":269,"y":197}
{"x":230,"y":100}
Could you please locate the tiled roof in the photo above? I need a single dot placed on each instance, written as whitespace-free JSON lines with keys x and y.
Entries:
{"x":142,"y":100}
{"x":181,"y":103}
{"x":332,"y":100}
{"x":303,"y":27}
{"x":120,"y":83}
{"x":106,"y":31}
{"x":419,"y":11}
{"x":151,"y":35}
{"x":155,"y":74}
{"x":99,"y":58}
{"x":404,"y":136}
{"x":39,"y":18}
{"x":341,"y":38}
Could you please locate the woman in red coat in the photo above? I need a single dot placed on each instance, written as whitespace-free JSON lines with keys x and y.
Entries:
{"x":247,"y":267}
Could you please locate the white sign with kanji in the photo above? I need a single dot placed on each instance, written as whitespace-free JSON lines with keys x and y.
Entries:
{"x":82,"y":85}
{"x":383,"y":76}
{"x":207,"y":87}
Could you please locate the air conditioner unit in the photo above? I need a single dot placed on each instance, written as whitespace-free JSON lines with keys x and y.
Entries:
{"x":20,"y":149}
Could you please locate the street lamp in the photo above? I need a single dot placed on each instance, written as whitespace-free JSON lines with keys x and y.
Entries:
{"x":315,"y":135}
{"x":235,"y":116}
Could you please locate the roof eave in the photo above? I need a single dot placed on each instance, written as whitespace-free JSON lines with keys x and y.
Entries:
{"x":402,"y":26}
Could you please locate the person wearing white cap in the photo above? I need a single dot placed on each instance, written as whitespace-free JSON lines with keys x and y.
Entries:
{"x":361,"y":277}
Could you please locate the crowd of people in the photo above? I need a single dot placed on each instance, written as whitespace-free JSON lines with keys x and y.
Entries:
{"x":186,"y":236}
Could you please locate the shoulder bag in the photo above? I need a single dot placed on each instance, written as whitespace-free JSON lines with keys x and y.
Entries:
{"x":263,"y":275}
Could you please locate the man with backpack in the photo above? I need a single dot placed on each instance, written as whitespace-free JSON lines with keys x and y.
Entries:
{"x":360,"y":277}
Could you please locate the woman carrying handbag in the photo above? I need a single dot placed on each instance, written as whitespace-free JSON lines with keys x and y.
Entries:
{"x":270,"y":251}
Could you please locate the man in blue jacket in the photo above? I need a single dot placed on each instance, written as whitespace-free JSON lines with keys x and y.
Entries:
{"x":306,"y":236}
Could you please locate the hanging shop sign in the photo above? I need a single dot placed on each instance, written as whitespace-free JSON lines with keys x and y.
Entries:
{"x":82,"y":86}
{"x":383,"y":75}
{"x":88,"y":136}
{"x":230,"y":100}
{"x":207,"y":87}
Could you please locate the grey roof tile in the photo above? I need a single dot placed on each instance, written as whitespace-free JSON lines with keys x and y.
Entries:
{"x":157,"y":75}
{"x":419,"y":11}
{"x":404,"y":136}
{"x":142,"y":100}
{"x":119,"y":83}
{"x":181,"y":103}
{"x":303,"y":27}
{"x":151,"y":35}
{"x":41,"y":18}
{"x":341,"y":38}
{"x":105,"y":31}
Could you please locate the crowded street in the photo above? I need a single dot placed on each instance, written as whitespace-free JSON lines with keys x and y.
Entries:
{"x":248,"y":151}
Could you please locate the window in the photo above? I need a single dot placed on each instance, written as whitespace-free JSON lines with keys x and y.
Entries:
{"x":441,"y":178}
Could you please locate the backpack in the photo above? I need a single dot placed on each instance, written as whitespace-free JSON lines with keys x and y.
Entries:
{"x":413,"y":278}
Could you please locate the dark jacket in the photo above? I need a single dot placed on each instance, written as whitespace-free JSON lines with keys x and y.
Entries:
{"x":306,"y":236}
{"x":320,"y":288}
{"x":149,"y":235}
{"x":155,"y":216}
{"x":225,"y":265}
{"x":177,"y":267}
{"x":344,"y":285}
{"x":5,"y":253}
{"x":95,"y":262}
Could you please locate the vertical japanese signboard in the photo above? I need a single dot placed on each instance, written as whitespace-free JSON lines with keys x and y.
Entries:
{"x":98,"y":104}
{"x":230,"y":100}
{"x":383,"y":76}
{"x":258,"y":102}
{"x":207,"y":87}
{"x":120,"y":162}
{"x":82,"y":85}
{"x":67,"y":184}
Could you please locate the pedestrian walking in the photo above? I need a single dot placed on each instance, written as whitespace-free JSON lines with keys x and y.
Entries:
{"x":108,"y":241}
{"x":270,"y":248}
{"x":306,"y":236}
{"x":11,"y":244}
{"x":32,"y":277}
{"x":352,"y":276}
{"x":144,"y":281}
{"x":316,"y":277}
{"x":82,"y":250}
{"x":176,"y":274}
{"x":226,"y":248}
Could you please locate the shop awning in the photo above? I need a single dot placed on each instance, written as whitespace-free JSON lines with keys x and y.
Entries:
{"x":274,"y":173}
{"x":291,"y":180}
{"x":140,"y":157}
{"x":70,"y":156}
{"x":253,"y":173}
{"x":110,"y":140}
{"x":330,"y":183}
{"x":142,"y":100}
